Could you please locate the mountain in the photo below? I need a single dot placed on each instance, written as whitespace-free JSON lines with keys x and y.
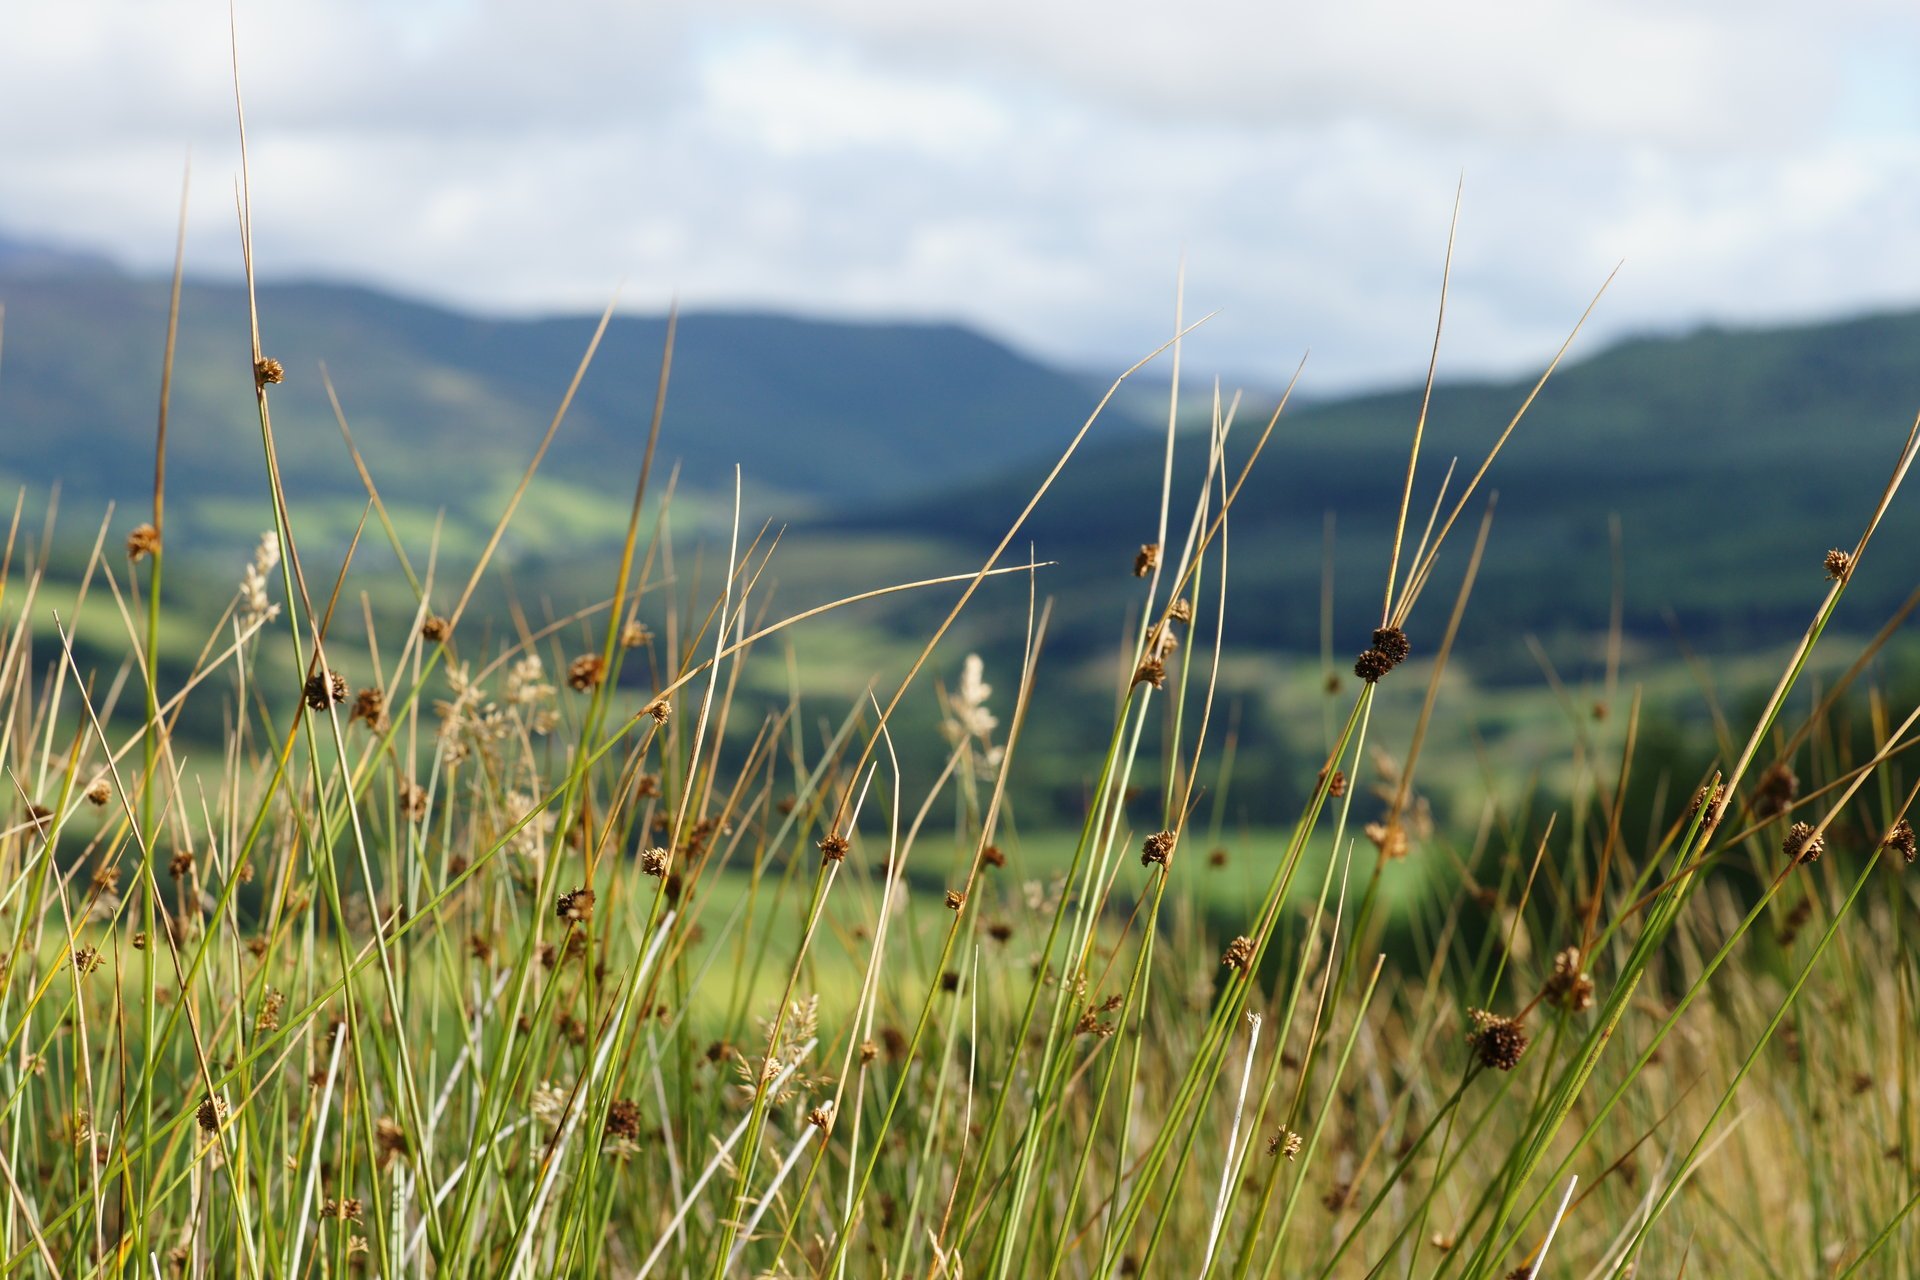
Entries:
{"x":1732,"y":458}
{"x":448,"y":407}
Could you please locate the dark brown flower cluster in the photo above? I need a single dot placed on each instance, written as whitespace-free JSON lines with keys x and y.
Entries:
{"x":1146,"y":559}
{"x":1838,"y":564}
{"x":1239,"y":954}
{"x":1900,"y":840}
{"x":1390,"y":649}
{"x":1803,"y":844}
{"x":1497,"y":1042}
{"x":1158,"y":849}
{"x":833,"y":847}
{"x":325,"y":689}
{"x":587,"y":672}
{"x":1569,"y":987}
{"x":575,"y":906}
{"x":623,"y":1119}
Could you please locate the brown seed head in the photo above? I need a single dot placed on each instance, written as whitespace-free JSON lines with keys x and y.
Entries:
{"x":586,"y":672}
{"x":1284,"y":1142}
{"x":181,"y":864}
{"x":575,"y":906}
{"x":435,"y":629}
{"x":87,"y":959}
{"x":1497,"y":1042}
{"x":1900,"y":840}
{"x":655,"y":861}
{"x":833,"y":847}
{"x":371,"y":705}
{"x":211,"y":1112}
{"x":1838,"y":564}
{"x":324,"y":689}
{"x":389,"y":1139}
{"x":1146,"y":559}
{"x":1371,"y":665}
{"x":1239,"y":954}
{"x":266,"y":369}
{"x":633,"y":635}
{"x":821,"y":1117}
{"x":1779,"y":785}
{"x":659,"y":709}
{"x":1391,"y":643}
{"x":1000,"y":931}
{"x":955,"y":899}
{"x":1390,"y":838}
{"x":1151,"y":671}
{"x":99,"y":793}
{"x":1714,"y":806}
{"x":1803,"y":844}
{"x":623,"y":1119}
{"x":142,"y":541}
{"x":1181,"y":610}
{"x":347,"y":1210}
{"x":1217,"y":857}
{"x":868,"y":1052}
{"x":1158,"y":849}
{"x":1569,"y":987}
{"x":991,"y":856}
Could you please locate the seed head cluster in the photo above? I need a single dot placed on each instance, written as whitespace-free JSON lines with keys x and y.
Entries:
{"x":833,"y":847}
{"x":1497,"y":1042}
{"x":1803,"y":844}
{"x":575,"y":906}
{"x":1284,"y":1142}
{"x":142,"y":542}
{"x":1158,"y":849}
{"x":587,"y":672}
{"x":1900,"y":840}
{"x":1838,"y":564}
{"x":623,"y":1119}
{"x":1146,"y":559}
{"x":1390,"y":649}
{"x":1569,"y":987}
{"x":325,"y":689}
{"x":1239,"y":954}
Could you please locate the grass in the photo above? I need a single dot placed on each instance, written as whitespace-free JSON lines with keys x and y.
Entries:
{"x":605,"y":941}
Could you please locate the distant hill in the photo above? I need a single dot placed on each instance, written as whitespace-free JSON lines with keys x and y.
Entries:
{"x":448,"y":407}
{"x":1733,"y":458}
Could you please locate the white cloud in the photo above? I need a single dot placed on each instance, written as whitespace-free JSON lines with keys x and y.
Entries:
{"x":1035,"y":166}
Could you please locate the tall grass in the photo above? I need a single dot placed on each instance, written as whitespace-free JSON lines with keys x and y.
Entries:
{"x":536,"y":950}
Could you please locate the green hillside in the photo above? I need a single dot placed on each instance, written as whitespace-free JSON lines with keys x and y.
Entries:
{"x":1732,"y":458}
{"x":448,"y":407}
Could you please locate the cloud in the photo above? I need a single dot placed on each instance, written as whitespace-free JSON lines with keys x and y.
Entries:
{"x":1034,"y":166}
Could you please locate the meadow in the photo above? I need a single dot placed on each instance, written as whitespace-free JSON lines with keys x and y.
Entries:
{"x":467,"y":934}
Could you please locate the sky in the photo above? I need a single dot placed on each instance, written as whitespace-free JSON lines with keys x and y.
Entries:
{"x":1041,"y":169}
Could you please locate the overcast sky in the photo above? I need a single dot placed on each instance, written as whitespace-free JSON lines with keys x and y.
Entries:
{"x":1033,"y":166}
